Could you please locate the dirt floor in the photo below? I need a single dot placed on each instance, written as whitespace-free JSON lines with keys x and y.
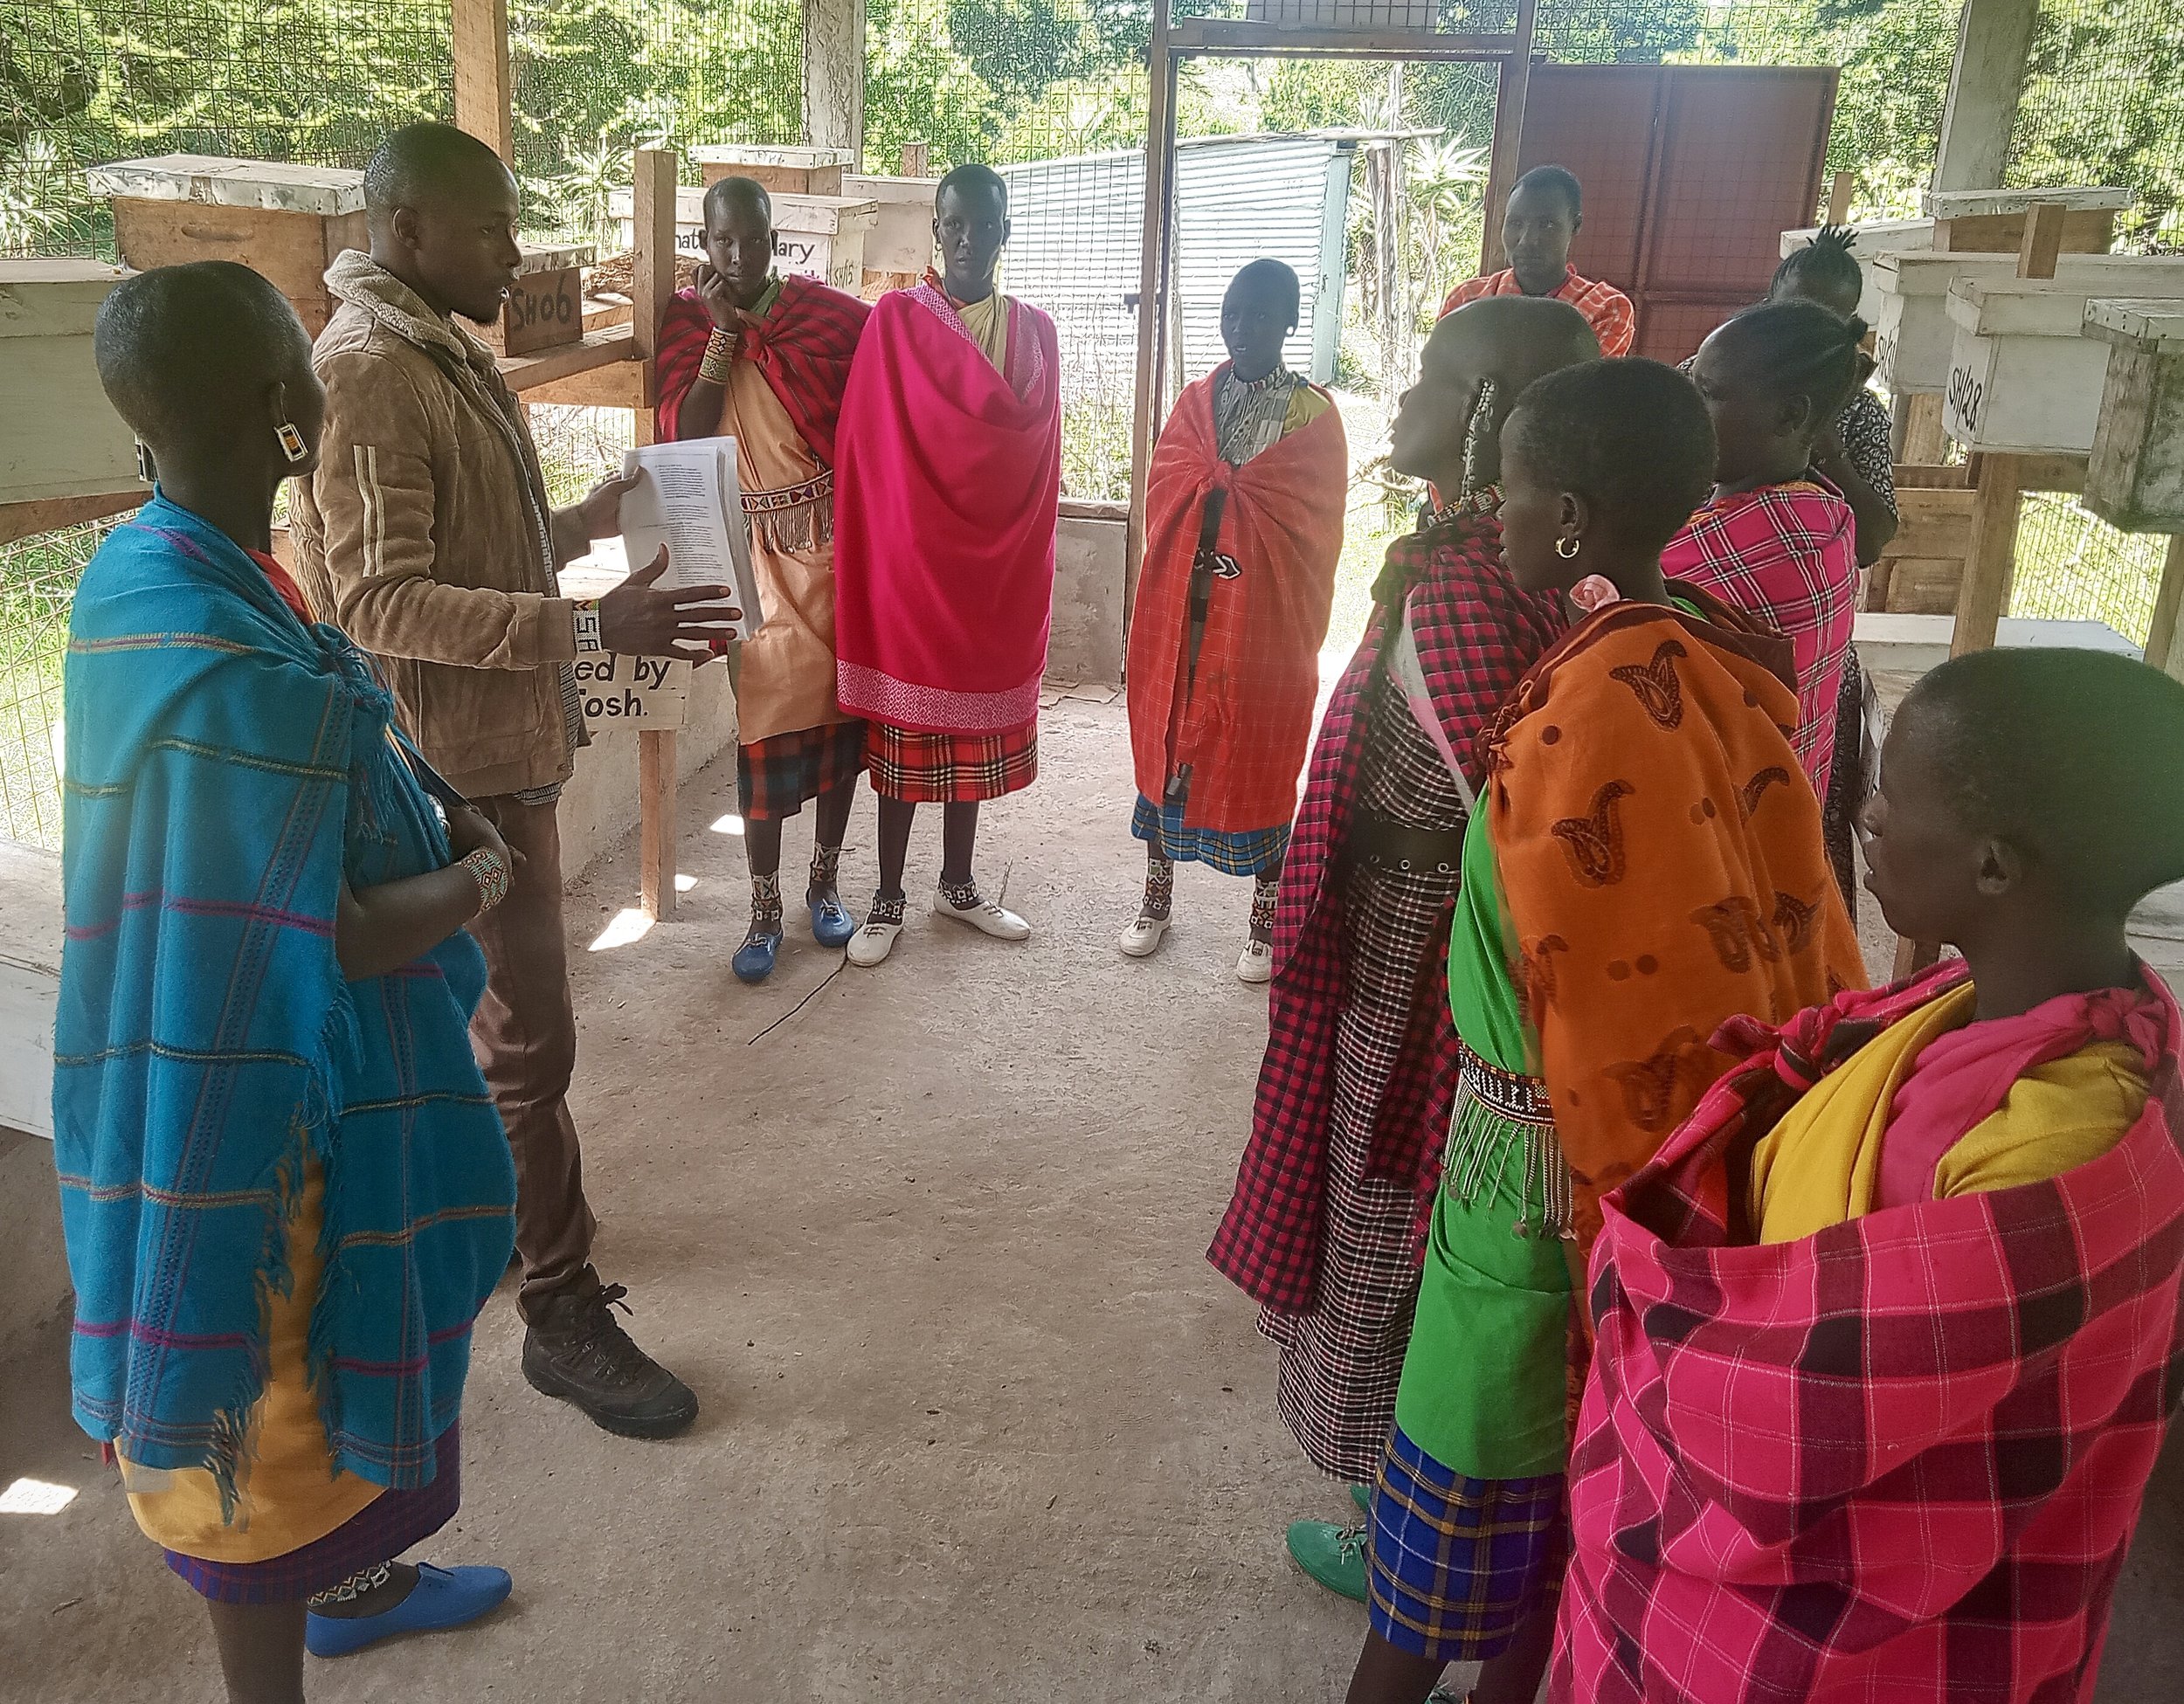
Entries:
{"x":979,"y":1423}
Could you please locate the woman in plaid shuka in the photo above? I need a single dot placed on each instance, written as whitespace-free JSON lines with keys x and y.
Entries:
{"x":1924,"y":1247}
{"x":1323,"y":1229}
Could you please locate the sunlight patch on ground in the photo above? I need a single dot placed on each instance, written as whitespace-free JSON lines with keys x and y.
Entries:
{"x":36,"y":1497}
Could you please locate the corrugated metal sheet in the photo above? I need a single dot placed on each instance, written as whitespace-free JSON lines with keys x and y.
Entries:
{"x":1075,"y":245}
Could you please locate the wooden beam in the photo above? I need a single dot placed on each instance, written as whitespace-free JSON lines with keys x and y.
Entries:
{"x":656,"y":837}
{"x":1244,"y":39}
{"x":1994,"y":41}
{"x":1925,"y":442}
{"x":1152,"y":289}
{"x":594,"y":348}
{"x":2165,"y":650}
{"x":918,"y":160}
{"x":46,"y":514}
{"x":483,"y":85}
{"x":1509,"y":133}
{"x":653,"y":216}
{"x":2043,"y":241}
{"x":834,"y":75}
{"x":1993,"y":562}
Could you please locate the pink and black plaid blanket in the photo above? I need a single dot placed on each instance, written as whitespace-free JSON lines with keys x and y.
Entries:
{"x":1898,"y":1460}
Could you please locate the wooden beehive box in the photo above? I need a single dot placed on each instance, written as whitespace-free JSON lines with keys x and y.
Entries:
{"x":801,"y":171}
{"x":1922,"y":568}
{"x":58,"y":436}
{"x":2134,"y":478}
{"x":1987,"y":221}
{"x":287,"y":222}
{"x":820,"y":237}
{"x":1361,"y":15}
{"x":2022,"y":376}
{"x":1915,"y":338}
{"x":545,"y":309}
{"x":900,"y":246}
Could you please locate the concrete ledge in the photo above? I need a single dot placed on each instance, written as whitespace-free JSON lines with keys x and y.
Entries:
{"x":1913,"y":643}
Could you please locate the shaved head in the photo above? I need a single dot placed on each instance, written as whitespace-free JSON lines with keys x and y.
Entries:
{"x":982,"y":181}
{"x":188,"y":354}
{"x":429,"y":164}
{"x":731,"y":196}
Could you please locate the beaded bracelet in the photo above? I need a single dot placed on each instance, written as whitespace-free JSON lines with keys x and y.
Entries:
{"x":720,"y":356}
{"x":490,"y":870}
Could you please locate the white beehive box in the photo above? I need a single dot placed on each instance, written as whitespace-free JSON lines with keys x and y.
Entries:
{"x":902,"y":239}
{"x":820,"y":237}
{"x":1988,"y":221}
{"x":58,"y":435}
{"x":2135,"y":476}
{"x":1875,"y":239}
{"x":1914,"y":337}
{"x":794,"y":170}
{"x":2022,"y":376}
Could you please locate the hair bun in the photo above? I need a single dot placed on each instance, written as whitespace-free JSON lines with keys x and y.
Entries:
{"x":1858,"y":328}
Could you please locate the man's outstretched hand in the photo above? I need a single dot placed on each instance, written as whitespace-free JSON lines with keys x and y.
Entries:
{"x":638,"y":618}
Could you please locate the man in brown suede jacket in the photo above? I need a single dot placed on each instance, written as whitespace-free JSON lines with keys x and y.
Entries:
{"x":426,"y":534}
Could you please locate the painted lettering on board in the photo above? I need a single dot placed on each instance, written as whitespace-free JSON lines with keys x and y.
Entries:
{"x":633,"y":691}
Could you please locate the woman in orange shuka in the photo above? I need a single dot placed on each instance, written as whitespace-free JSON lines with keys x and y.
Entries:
{"x":1244,"y":524}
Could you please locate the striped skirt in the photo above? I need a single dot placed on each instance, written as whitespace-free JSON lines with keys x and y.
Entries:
{"x":1233,"y":852}
{"x":1456,"y":1565}
{"x":950,"y":769}
{"x":775,"y":776}
{"x":379,"y":1532}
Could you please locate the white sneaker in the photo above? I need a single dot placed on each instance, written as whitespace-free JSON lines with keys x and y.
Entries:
{"x":984,"y":916}
{"x":1255,"y":963}
{"x":1142,"y":938}
{"x":872,"y":944}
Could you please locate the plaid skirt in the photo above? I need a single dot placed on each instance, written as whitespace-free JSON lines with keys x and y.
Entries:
{"x":379,"y":1532}
{"x":1232,"y":852}
{"x":775,"y":776}
{"x":1456,"y":1565}
{"x":950,"y":769}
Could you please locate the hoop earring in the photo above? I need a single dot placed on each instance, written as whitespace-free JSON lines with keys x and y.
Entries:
{"x":292,"y":444}
{"x":1566,"y":549}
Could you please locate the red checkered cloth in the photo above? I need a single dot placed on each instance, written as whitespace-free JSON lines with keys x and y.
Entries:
{"x":1901,"y":1458}
{"x":775,"y":776}
{"x":379,"y":1532}
{"x":1476,"y":633}
{"x":1787,"y":554}
{"x":1606,"y":309}
{"x":803,"y":348}
{"x":949,"y":768}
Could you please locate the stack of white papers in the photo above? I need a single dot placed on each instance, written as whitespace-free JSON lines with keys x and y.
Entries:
{"x":691,"y":503}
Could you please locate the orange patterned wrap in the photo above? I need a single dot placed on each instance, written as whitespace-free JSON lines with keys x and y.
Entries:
{"x":1662,"y":866}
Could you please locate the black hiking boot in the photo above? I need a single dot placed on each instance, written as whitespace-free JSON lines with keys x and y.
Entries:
{"x":577,"y":1350}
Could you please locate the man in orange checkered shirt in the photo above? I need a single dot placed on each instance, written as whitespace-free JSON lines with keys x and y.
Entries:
{"x":1544,"y":213}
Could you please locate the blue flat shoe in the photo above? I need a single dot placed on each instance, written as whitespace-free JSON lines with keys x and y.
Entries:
{"x":442,"y":1598}
{"x":753,"y":960}
{"x":831,"y":925}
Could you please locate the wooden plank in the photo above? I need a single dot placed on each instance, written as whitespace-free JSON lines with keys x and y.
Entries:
{"x":1932,"y":523}
{"x":656,"y":837}
{"x":2085,"y":230}
{"x":1839,"y":197}
{"x":595,"y":348}
{"x":2164,"y":649}
{"x":1512,"y":89}
{"x":483,"y":84}
{"x":2061,"y":472}
{"x":1925,"y":442}
{"x":290,"y":249}
{"x":1919,"y":585}
{"x":918,"y":160}
{"x":620,"y":384}
{"x":47,"y":514}
{"x":1992,"y":562}
{"x":1933,"y":476}
{"x":835,"y":74}
{"x":653,"y":219}
{"x":1152,"y":281}
{"x":2043,"y":241}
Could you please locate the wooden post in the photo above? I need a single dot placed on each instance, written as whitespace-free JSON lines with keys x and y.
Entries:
{"x":2164,"y":649}
{"x":1839,"y":197}
{"x":1152,"y":290}
{"x":652,"y":287}
{"x":482,"y":82}
{"x":1994,"y":41}
{"x":917,"y":158}
{"x":835,"y":74}
{"x":1925,"y":444}
{"x":2044,"y":241}
{"x":1992,"y":562}
{"x":1509,"y":129}
{"x":656,"y":837}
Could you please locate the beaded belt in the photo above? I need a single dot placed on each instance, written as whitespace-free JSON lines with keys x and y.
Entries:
{"x":758,"y":504}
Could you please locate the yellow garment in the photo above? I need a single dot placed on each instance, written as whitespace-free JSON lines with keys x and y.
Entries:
{"x":988,"y":323}
{"x":287,"y":1495}
{"x":1819,"y":1166}
{"x":784,"y":677}
{"x":1306,"y":405}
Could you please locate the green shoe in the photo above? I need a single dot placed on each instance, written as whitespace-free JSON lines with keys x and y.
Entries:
{"x":1362,"y":1495}
{"x":1333,"y":1555}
